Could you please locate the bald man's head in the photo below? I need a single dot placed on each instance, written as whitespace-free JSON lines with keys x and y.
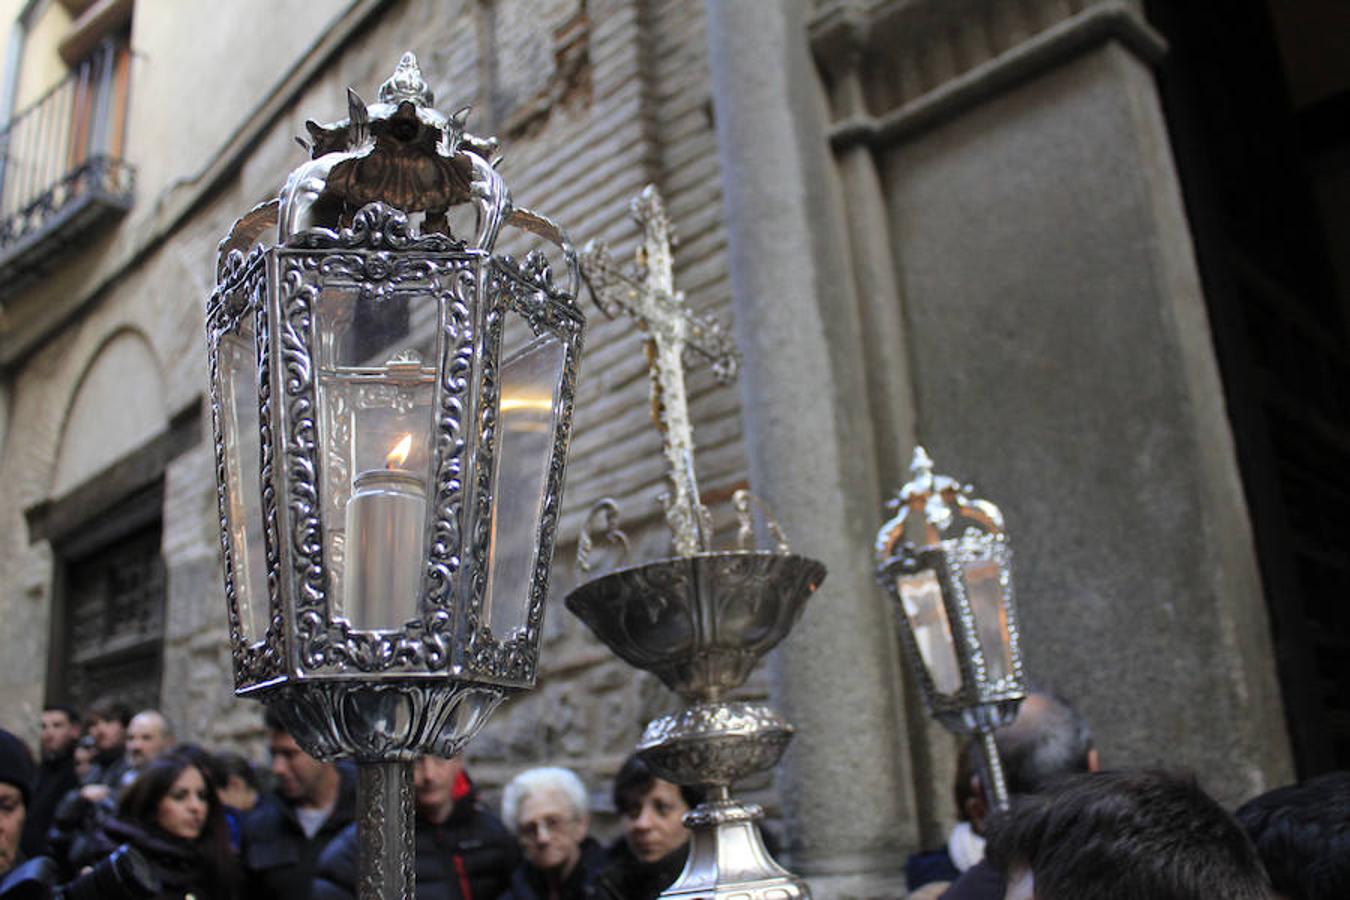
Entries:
{"x":1047,"y":740}
{"x":149,"y":735}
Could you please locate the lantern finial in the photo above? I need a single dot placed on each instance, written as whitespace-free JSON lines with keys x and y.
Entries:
{"x":407,"y":84}
{"x":922,"y":484}
{"x":922,"y":464}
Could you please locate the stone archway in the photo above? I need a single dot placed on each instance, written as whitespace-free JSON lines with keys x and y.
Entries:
{"x":118,"y":405}
{"x":104,"y":521}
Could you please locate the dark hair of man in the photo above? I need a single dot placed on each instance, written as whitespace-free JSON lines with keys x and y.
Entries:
{"x":140,"y":806}
{"x":1302,"y":834}
{"x":1048,"y":740}
{"x":1126,"y":835}
{"x":235,"y":765}
{"x":635,"y":779}
{"x":109,"y":710}
{"x":272,"y":721}
{"x":72,"y":715}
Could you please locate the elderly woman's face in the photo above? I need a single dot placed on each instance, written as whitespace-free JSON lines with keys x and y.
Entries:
{"x":551,"y":831}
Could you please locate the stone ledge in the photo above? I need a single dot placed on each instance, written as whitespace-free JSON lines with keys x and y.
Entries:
{"x":1057,"y":44}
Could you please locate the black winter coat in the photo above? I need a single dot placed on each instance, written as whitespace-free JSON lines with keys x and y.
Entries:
{"x":528,"y":883}
{"x":469,"y":856}
{"x":55,"y":778}
{"x":110,"y":768}
{"x":980,"y":882}
{"x":625,"y":877}
{"x":180,"y":865}
{"x":278,"y":860}
{"x":74,"y":838}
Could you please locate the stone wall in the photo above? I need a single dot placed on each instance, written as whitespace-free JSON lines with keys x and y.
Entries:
{"x":592,"y":101}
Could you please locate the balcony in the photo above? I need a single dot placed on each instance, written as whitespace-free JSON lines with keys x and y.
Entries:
{"x":61,"y":167}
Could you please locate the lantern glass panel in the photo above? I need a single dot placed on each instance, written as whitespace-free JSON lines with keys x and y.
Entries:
{"x":238,"y":361}
{"x":531,"y":369}
{"x":988,"y":603}
{"x":376,"y":388}
{"x":921,"y":594}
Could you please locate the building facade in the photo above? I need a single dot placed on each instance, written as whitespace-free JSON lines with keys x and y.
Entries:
{"x":1059,"y":242}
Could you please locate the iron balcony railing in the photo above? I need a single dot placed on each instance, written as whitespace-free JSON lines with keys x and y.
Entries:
{"x":61,"y":166}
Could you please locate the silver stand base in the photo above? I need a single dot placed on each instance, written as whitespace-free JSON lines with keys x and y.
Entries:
{"x":727,"y":859}
{"x":385,"y":834}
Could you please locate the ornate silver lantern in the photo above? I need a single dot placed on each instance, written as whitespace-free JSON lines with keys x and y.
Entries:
{"x":702,"y":619}
{"x":944,"y":560}
{"x":392,"y":403}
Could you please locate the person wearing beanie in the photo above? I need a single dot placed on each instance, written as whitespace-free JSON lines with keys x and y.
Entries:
{"x":16,"y":786}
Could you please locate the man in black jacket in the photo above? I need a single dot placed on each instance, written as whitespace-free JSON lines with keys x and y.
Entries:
{"x":60,"y":731}
{"x":80,"y":814}
{"x":107,"y":723}
{"x":284,"y":835}
{"x":463,"y":851}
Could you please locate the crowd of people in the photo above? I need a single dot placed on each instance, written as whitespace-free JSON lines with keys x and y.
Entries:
{"x":116,"y":807}
{"x":1075,"y":831}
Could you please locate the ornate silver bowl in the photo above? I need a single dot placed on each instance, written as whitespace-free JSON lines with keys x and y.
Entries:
{"x":700,"y":623}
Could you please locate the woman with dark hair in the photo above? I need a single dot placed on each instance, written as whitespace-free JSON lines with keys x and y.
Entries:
{"x":651,"y":853}
{"x":172,"y":815}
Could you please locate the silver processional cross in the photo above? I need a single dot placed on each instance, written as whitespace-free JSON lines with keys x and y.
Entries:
{"x":648,"y":296}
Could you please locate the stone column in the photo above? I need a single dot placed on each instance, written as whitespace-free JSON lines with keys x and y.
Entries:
{"x":812,"y":449}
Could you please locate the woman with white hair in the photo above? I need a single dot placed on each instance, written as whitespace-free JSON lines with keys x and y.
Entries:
{"x":550,"y":812}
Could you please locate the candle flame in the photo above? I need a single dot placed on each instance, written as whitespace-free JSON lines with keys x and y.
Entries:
{"x":399,"y":454}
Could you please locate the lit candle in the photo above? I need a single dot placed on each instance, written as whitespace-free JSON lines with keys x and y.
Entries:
{"x":385,"y":519}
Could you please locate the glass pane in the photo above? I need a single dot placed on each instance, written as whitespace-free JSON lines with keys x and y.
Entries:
{"x":984,"y":590}
{"x":922,"y":597}
{"x":529,"y":374}
{"x":376,"y":388}
{"x":243,"y":495}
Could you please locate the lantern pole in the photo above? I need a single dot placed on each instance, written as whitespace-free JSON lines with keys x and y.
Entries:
{"x":385,"y":831}
{"x":996,"y":785}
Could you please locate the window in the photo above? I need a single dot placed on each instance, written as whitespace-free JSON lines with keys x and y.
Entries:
{"x":108,"y":630}
{"x":61,"y":165}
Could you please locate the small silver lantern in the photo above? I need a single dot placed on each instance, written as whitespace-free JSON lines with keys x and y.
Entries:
{"x":945,"y":562}
{"x":392,"y":404}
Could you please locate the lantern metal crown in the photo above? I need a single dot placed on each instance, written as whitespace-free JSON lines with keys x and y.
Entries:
{"x":391,"y":403}
{"x":944,"y":560}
